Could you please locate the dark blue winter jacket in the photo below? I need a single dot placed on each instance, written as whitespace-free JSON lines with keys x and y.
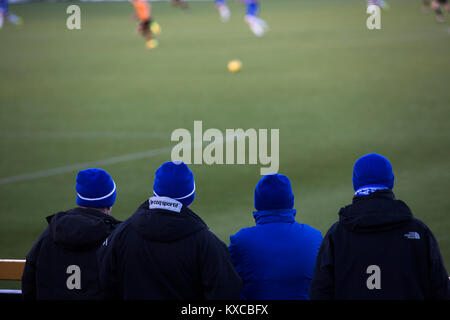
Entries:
{"x":379,"y":251}
{"x":275,"y":258}
{"x":159,"y":254}
{"x":63,"y":263}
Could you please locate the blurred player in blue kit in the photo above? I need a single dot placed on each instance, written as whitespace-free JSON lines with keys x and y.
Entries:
{"x":381,"y":3}
{"x":223,"y":9}
{"x":6,"y":15}
{"x":257,"y":25}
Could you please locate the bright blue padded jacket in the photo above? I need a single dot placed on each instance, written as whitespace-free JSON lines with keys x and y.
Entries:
{"x":275,"y":259}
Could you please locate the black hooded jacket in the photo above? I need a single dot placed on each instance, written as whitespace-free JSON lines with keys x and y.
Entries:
{"x":158,"y":254}
{"x":378,"y":250}
{"x":63,"y":263}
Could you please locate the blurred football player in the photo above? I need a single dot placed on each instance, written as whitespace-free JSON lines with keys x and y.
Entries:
{"x":381,"y":3}
{"x":147,"y":28}
{"x":223,"y":9}
{"x":437,"y":7}
{"x":6,"y":15}
{"x":257,"y":25}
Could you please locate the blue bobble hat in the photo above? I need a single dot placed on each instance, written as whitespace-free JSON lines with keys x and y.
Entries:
{"x":175,"y":180}
{"x":372,"y":170}
{"x":274,"y":191}
{"x":95,"y":188}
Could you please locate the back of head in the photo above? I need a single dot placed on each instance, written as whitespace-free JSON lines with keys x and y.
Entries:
{"x":373,"y":170}
{"x":273,"y":192}
{"x":95,"y":189}
{"x":175,"y":180}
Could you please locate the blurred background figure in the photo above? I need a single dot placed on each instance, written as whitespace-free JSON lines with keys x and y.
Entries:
{"x":223,"y":9}
{"x":426,"y":6}
{"x":179,"y":4}
{"x":437,"y":7}
{"x":257,"y":25}
{"x":381,"y":3}
{"x":6,"y":15}
{"x":147,"y":28}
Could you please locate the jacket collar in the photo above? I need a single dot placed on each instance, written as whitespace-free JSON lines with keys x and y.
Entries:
{"x":379,"y":194}
{"x":378,"y":211}
{"x":271,"y":216}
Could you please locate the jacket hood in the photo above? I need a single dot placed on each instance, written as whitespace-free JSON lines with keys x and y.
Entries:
{"x":375,"y":212}
{"x":164,"y":225}
{"x":80,"y":228}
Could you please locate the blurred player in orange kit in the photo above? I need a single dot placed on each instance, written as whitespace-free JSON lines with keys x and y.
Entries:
{"x":147,"y":27}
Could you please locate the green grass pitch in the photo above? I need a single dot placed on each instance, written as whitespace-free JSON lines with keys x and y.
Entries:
{"x":333,"y":88}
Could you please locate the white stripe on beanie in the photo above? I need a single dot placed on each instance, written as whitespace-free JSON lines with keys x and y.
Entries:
{"x":180,"y":198}
{"x":97,"y":199}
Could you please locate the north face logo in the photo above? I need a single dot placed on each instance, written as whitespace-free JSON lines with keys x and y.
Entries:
{"x":412,"y":235}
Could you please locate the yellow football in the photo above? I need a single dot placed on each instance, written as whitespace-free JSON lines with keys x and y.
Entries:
{"x":234,"y":65}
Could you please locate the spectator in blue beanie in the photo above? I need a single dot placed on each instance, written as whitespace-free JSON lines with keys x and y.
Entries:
{"x":63,"y":263}
{"x":276,"y":257}
{"x":165,"y":251}
{"x":378,"y":250}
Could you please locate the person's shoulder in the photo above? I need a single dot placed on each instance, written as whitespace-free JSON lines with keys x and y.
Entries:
{"x":309,"y":229}
{"x":46,"y":234}
{"x":420,"y":226}
{"x":244,"y":233}
{"x":244,"y":238}
{"x":419,"y":223}
{"x":333,"y":229}
{"x":204,"y":239}
{"x":121,"y":228}
{"x":124,"y":225}
{"x":58,"y":214}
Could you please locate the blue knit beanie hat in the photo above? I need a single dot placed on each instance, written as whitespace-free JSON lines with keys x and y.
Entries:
{"x":95,"y":188}
{"x":175,"y":180}
{"x":372,"y":170}
{"x":274,"y":191}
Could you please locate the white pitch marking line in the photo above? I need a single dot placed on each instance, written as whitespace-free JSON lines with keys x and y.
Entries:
{"x":98,"y":163}
{"x":85,"y":135}
{"x":84,"y":165}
